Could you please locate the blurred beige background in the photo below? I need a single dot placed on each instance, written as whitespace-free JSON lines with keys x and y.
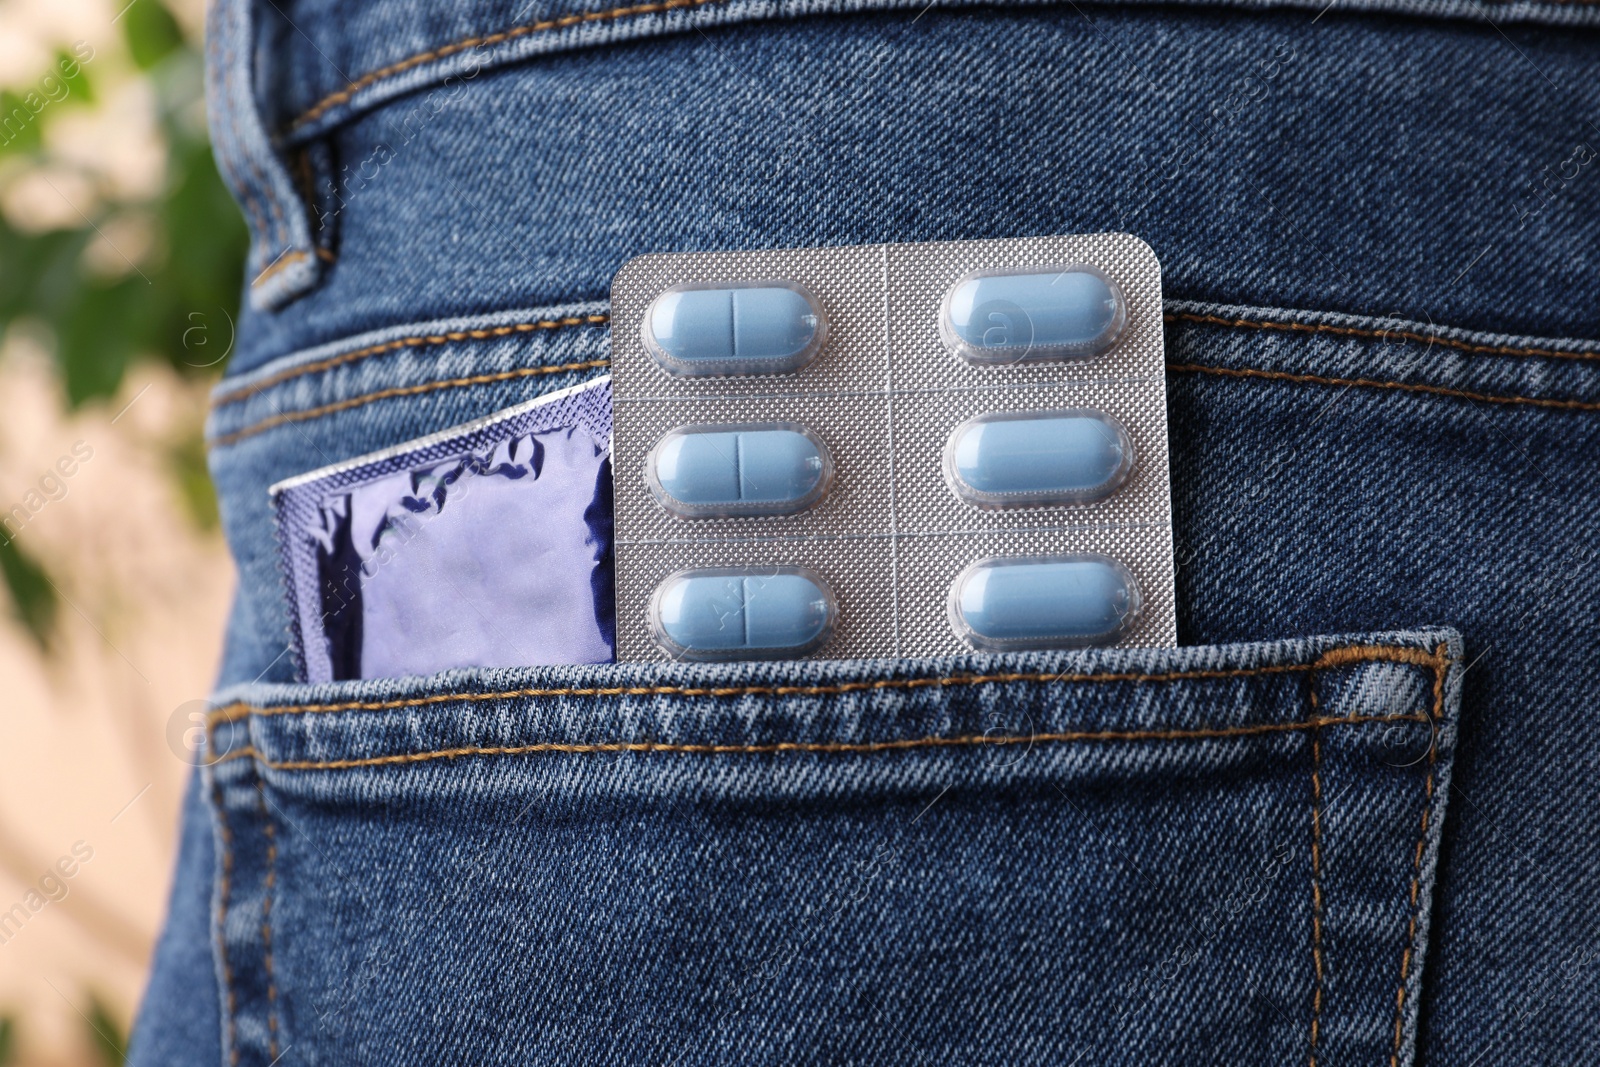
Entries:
{"x":140,"y":575}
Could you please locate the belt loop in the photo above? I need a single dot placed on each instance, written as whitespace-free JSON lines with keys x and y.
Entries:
{"x":285,"y":259}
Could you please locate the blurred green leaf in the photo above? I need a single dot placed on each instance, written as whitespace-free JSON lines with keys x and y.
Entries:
{"x":206,"y":243}
{"x":178,"y":303}
{"x":151,"y":32}
{"x":8,"y":1035}
{"x":33,"y":598}
{"x":98,"y":333}
{"x":37,"y":271}
{"x":106,"y":1034}
{"x":187,"y":461}
{"x":72,"y":72}
{"x":19,"y":124}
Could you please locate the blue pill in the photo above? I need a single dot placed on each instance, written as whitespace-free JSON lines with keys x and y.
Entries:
{"x":1071,"y":313}
{"x":748,"y":614}
{"x":1025,"y":460}
{"x":755,"y":471}
{"x":1064,"y":602}
{"x":745,"y":329}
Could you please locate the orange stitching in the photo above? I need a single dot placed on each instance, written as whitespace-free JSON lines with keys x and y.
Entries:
{"x":1352,"y":331}
{"x":247,"y":193}
{"x":1316,"y":868}
{"x":1409,"y":387}
{"x":270,"y":195}
{"x":240,"y":709}
{"x":659,"y":7}
{"x":406,"y":390}
{"x":1416,"y":861}
{"x":223,"y":891}
{"x":294,"y":255}
{"x":820,"y":747}
{"x":1348,"y":654}
{"x":1333,"y":658}
{"x":404,"y":342}
{"x":266,"y":921}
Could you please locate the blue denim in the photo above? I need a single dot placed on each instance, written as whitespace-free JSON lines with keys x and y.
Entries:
{"x":1377,"y":225}
{"x":989,"y":860}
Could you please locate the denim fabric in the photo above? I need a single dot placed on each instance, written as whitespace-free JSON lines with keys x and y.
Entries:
{"x":1201,"y":854}
{"x":1384,"y":382}
{"x":283,"y":260}
{"x":328,"y":60}
{"x":183,"y":995}
{"x":1375,"y":166}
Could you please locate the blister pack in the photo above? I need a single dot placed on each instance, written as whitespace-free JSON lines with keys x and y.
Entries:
{"x":891,"y":450}
{"x":485,"y":545}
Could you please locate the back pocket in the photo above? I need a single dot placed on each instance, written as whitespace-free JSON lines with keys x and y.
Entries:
{"x":1207,"y":855}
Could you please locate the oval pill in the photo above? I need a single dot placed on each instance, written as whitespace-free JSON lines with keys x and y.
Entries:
{"x":760,"y":328}
{"x":756,"y":470}
{"x":1022,"y":316}
{"x":742,"y":614}
{"x":1029,"y":459}
{"x":1061,"y":602}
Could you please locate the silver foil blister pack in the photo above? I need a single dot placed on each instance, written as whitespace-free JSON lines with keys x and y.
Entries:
{"x":886,"y":393}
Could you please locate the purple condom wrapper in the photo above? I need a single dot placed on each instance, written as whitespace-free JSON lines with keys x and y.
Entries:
{"x":485,"y":545}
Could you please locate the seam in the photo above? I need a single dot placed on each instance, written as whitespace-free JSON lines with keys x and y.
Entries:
{"x":342,"y":95}
{"x":405,"y":342}
{"x":1414,"y":896}
{"x":246,"y":193}
{"x":266,"y":920}
{"x":232,"y":79}
{"x":1316,"y":867}
{"x":299,"y":167}
{"x":1334,"y":657}
{"x":224,"y":889}
{"x":1353,"y":331}
{"x":288,"y":258}
{"x":542,"y":26}
{"x":282,"y":418}
{"x":1409,"y":387}
{"x":270,"y":195}
{"x":1177,"y":368}
{"x":822,"y":747}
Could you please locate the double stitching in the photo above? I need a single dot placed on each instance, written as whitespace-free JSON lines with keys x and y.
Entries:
{"x":421,"y":340}
{"x":287,"y":259}
{"x":1316,"y":867}
{"x":1345,"y":655}
{"x":659,"y":7}
{"x":1341,"y":656}
{"x":224,"y":891}
{"x":277,"y":236}
{"x":268,"y":887}
{"x":246,"y":192}
{"x":852,"y":748}
{"x":656,"y":7}
{"x":1414,"y":897}
{"x":224,"y":902}
{"x":285,"y":417}
{"x":282,"y":418}
{"x":1376,"y":335}
{"x":1337,"y":657}
{"x":1440,"y":663}
{"x":1372,"y":383}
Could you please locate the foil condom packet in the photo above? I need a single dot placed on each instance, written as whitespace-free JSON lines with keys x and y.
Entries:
{"x":485,"y":545}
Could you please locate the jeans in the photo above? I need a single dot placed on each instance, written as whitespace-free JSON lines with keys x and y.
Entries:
{"x":1343,"y":823}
